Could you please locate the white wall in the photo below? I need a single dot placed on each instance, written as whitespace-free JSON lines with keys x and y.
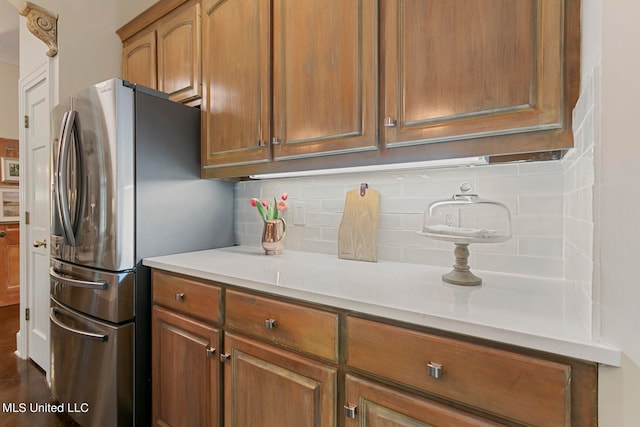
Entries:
{"x":9,"y":75}
{"x":616,"y":209}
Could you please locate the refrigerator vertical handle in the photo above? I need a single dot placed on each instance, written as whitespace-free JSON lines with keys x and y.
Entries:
{"x":60,"y":192}
{"x":68,"y":129}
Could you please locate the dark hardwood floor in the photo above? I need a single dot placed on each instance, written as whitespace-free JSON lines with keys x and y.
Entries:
{"x":22,"y":383}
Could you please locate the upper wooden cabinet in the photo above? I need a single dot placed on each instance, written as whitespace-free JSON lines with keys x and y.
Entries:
{"x":236,"y":74}
{"x":324,"y":77}
{"x":312,"y":84}
{"x":139,"y":59}
{"x":323,"y":74}
{"x":161,"y":49}
{"x":462,"y":69}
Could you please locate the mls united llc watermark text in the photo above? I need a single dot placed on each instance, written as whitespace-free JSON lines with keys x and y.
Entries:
{"x":34,"y":407}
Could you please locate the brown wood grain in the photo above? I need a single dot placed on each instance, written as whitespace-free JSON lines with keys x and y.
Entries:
{"x":381,"y":406}
{"x":186,"y":381}
{"x":179,"y":53}
{"x":268,"y":386}
{"x":304,"y":329}
{"x":357,"y":234}
{"x":148,"y":17}
{"x":201,"y":300}
{"x":10,"y":264}
{"x":236,"y":78}
{"x":515,"y":386}
{"x":139,"y":60}
{"x":470,"y":67}
{"x":325,"y":74}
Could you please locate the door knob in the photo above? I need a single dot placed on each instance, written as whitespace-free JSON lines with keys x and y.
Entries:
{"x":39,"y":243}
{"x":2,"y":233}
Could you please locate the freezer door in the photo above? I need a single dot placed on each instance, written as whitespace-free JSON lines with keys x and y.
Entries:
{"x":92,"y":368}
{"x":92,"y":175}
{"x":108,"y":296}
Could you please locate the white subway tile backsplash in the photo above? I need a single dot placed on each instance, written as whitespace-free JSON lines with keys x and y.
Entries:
{"x":533,"y":225}
{"x":429,"y":256}
{"x":525,"y":265}
{"x":536,"y":193}
{"x":520,"y":184}
{"x":540,"y":204}
{"x":540,"y":168}
{"x":540,"y":246}
{"x":323,"y":219}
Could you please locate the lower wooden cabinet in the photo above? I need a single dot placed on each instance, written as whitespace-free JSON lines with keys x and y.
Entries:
{"x":9,"y":264}
{"x":288,"y":363}
{"x":508,"y":384}
{"x":370,"y":404}
{"x":268,"y":386}
{"x":185,"y":371}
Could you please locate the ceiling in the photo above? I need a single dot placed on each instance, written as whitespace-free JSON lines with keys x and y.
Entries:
{"x":9,"y":33}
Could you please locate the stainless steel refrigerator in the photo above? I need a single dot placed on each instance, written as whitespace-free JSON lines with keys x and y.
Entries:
{"x":125,"y":186}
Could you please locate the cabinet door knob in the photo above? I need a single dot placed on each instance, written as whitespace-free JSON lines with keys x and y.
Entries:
{"x":350,"y":411}
{"x":224,"y":357}
{"x":275,"y":141}
{"x":434,"y":370}
{"x":270,"y":323}
{"x":2,"y":233}
{"x":262,"y":143}
{"x":390,"y":122}
{"x":210,"y":351}
{"x":180,"y":296}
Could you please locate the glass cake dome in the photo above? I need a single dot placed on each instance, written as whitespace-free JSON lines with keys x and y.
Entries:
{"x":463,"y":219}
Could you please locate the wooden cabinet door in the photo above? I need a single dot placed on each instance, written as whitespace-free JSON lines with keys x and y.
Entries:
{"x":9,"y":264}
{"x":139,"y":59}
{"x":464,"y":69}
{"x":325,"y":77}
{"x":236,"y":82}
{"x":186,"y":371}
{"x":267,"y":386}
{"x":372,"y":405}
{"x":179,"y":53}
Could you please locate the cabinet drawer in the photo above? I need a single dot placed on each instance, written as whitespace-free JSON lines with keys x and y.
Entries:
{"x":515,"y":386}
{"x":305,"y":329}
{"x":188,"y":296}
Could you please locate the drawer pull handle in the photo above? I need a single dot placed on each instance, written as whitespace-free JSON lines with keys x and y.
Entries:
{"x":350,"y":411}
{"x":270,"y":323}
{"x":180,"y":296}
{"x":210,"y":351}
{"x":390,"y":122}
{"x":434,"y":370}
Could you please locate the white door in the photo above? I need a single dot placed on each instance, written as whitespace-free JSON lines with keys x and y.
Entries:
{"x":36,"y":193}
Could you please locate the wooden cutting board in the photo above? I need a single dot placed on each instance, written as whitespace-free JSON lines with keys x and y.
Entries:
{"x":359,"y":224}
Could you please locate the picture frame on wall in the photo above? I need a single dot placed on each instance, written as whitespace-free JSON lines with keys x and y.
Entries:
{"x":9,"y":204}
{"x":10,"y":170}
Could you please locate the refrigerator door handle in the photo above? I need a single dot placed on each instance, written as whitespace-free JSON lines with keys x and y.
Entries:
{"x":70,"y":127}
{"x":99,"y":285}
{"x":85,"y":334}
{"x":57,"y":185}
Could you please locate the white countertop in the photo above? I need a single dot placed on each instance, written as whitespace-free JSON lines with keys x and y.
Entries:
{"x":525,"y":311}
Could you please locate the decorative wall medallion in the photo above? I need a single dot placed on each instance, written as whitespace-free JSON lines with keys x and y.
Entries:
{"x":42,"y":24}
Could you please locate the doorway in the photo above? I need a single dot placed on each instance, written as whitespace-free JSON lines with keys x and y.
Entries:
{"x":33,"y":339}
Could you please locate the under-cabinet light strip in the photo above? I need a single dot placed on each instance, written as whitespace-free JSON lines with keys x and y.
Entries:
{"x":429,"y":164}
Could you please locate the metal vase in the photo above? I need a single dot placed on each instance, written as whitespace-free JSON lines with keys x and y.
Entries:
{"x":273,"y":236}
